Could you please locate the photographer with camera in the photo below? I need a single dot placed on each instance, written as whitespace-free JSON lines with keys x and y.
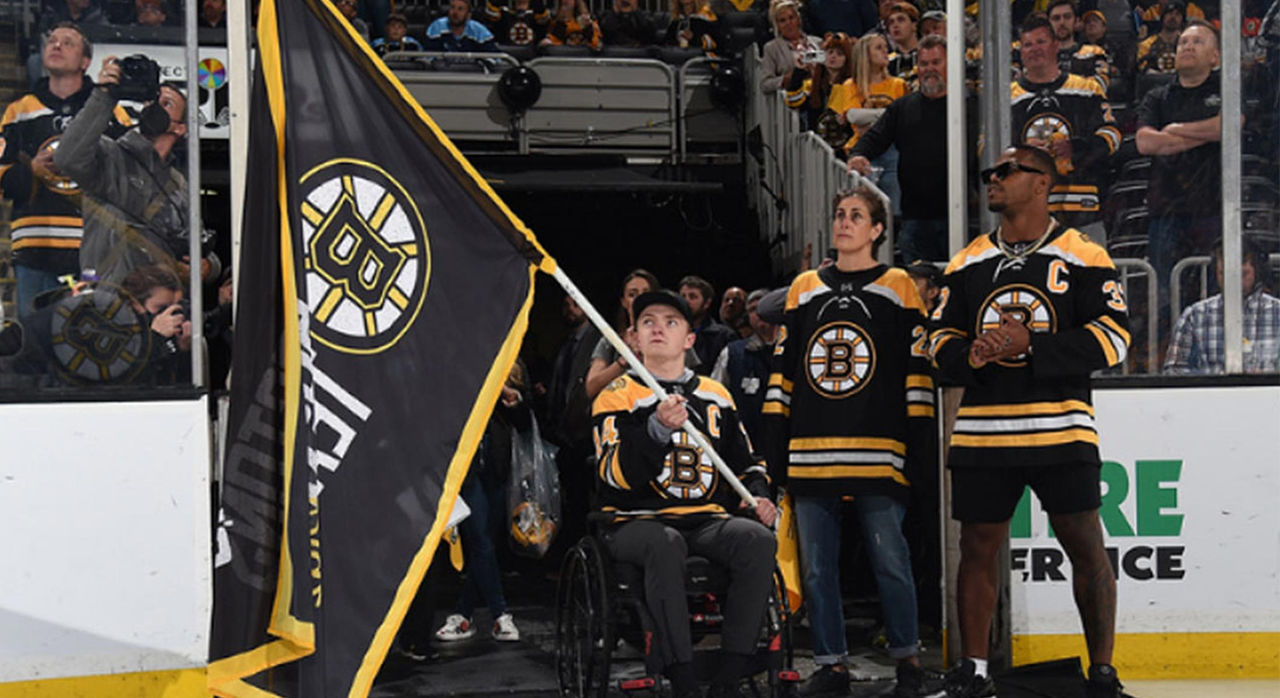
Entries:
{"x":135,"y":197}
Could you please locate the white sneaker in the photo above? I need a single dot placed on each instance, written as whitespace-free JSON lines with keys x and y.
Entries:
{"x":455,"y":628}
{"x":504,"y":629}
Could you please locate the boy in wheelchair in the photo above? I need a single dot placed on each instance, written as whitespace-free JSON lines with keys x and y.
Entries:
{"x":666,"y":500}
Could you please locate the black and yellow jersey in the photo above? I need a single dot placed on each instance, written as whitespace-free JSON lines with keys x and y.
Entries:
{"x":645,"y":470}
{"x":1088,"y":61}
{"x":1155,"y":55}
{"x":849,"y":408}
{"x":1034,"y":409}
{"x":1073,"y":108}
{"x":518,"y":27}
{"x":46,"y":224}
{"x":904,"y":64}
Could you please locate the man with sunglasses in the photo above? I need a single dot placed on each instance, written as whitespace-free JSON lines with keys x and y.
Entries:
{"x":1026,"y":313}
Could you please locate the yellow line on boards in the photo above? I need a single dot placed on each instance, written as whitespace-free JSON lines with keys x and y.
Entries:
{"x":178,"y":683}
{"x":1167,"y":655}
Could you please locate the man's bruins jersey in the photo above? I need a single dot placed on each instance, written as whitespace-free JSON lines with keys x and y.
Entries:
{"x":1073,"y":108}
{"x":647,"y":471}
{"x":850,"y":401}
{"x":1034,"y":409}
{"x":46,"y":224}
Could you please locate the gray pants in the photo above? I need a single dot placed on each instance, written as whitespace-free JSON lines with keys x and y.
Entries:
{"x":742,"y":546}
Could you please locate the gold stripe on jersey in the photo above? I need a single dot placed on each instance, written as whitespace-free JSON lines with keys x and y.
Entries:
{"x":1051,"y":438}
{"x":26,"y":108}
{"x":712,"y":391}
{"x":1114,"y":326}
{"x":917,"y":380}
{"x":803,"y":288}
{"x":51,"y":221}
{"x":1030,"y":408}
{"x":611,"y":469}
{"x":714,"y":509}
{"x":623,"y":395}
{"x":920,"y":410}
{"x":977,"y":251}
{"x":57,"y":243}
{"x":1075,"y":247}
{"x":896,"y":285}
{"x":836,"y":472}
{"x":1105,"y":341}
{"x":845,"y":443}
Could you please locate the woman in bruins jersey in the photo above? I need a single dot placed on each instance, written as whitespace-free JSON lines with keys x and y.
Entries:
{"x":849,"y":403}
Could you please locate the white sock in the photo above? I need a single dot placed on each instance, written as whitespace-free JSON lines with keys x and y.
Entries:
{"x":979,"y":666}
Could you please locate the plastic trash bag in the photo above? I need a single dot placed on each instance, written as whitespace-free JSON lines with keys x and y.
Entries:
{"x":534,"y":494}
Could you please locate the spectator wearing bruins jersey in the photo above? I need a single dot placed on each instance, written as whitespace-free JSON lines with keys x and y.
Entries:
{"x":1026,"y":314}
{"x":903,"y":24}
{"x":1085,"y":60}
{"x":1156,"y":53}
{"x":849,"y":412}
{"x":46,"y":223}
{"x":1069,"y":115}
{"x":522,"y":23}
{"x":667,"y":499}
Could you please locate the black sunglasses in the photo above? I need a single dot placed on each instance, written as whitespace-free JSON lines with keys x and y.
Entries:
{"x":1006,"y":168}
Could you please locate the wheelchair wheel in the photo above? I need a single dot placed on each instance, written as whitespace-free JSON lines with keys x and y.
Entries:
{"x":584,"y":631}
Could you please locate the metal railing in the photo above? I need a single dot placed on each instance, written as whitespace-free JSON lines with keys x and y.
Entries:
{"x":1130,"y":268}
{"x":1202,"y":263}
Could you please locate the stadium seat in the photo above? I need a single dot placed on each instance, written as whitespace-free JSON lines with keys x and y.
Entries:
{"x":628,"y":52}
{"x":564,"y":51}
{"x":520,"y":53}
{"x":677,"y":56}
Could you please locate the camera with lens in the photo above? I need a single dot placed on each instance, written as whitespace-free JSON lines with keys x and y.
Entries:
{"x":813,"y":57}
{"x":139,"y":79}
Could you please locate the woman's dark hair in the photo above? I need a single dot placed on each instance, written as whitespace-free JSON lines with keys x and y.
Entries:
{"x":143,"y":281}
{"x":823,"y":81}
{"x":621,"y":320}
{"x":875,"y":208}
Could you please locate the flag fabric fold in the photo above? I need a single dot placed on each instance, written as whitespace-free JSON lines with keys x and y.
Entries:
{"x":384,"y":292}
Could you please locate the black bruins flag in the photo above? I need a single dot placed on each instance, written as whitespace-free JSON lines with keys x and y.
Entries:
{"x":384,"y":291}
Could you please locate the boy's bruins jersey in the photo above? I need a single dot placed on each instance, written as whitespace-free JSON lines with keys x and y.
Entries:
{"x":648,"y":471}
{"x":1086,"y":60}
{"x":1072,"y":108}
{"x":850,"y":401}
{"x":1034,"y":409}
{"x":46,"y":225}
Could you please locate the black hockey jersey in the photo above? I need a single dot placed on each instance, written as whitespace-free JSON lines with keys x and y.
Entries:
{"x":1073,"y":108}
{"x":46,"y":223}
{"x":1035,"y":409}
{"x":647,"y":471}
{"x":850,"y":402}
{"x":515,"y":26}
{"x":1088,"y":61}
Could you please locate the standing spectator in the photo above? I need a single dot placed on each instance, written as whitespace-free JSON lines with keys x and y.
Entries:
{"x":569,"y":418}
{"x":743,"y":367}
{"x":851,"y":17}
{"x":45,"y":227}
{"x":348,"y":10}
{"x":849,"y":413}
{"x":134,"y":194}
{"x":1086,"y":60}
{"x":733,"y":311}
{"x":150,"y":13}
{"x":873,"y":89}
{"x":213,"y":14}
{"x":573,"y":26}
{"x":902,"y":24}
{"x":933,"y":22}
{"x":607,"y":364}
{"x":627,"y":25}
{"x":712,"y":337}
{"x":523,"y":23}
{"x":1028,"y":312}
{"x":1179,"y":126}
{"x":814,"y":91}
{"x":83,"y":13}
{"x":456,"y":31}
{"x":786,"y":51}
{"x":1157,"y":53}
{"x":1068,"y":115}
{"x":485,"y":492}
{"x":692,"y":25}
{"x":1153,"y":15}
{"x":396,"y":37}
{"x":917,"y":126}
{"x":1198,"y":343}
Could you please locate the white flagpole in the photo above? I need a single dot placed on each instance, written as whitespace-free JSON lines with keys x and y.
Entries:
{"x":638,"y":366}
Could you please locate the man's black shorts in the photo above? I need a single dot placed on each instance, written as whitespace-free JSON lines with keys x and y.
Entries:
{"x":990,"y":495}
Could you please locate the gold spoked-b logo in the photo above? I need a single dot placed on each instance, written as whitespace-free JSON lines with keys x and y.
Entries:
{"x":1026,"y":304}
{"x":367,"y":259}
{"x":687,"y":472}
{"x":840,"y":359}
{"x":98,"y":337}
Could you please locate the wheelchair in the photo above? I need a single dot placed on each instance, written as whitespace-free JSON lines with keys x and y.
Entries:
{"x":600,"y":601}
